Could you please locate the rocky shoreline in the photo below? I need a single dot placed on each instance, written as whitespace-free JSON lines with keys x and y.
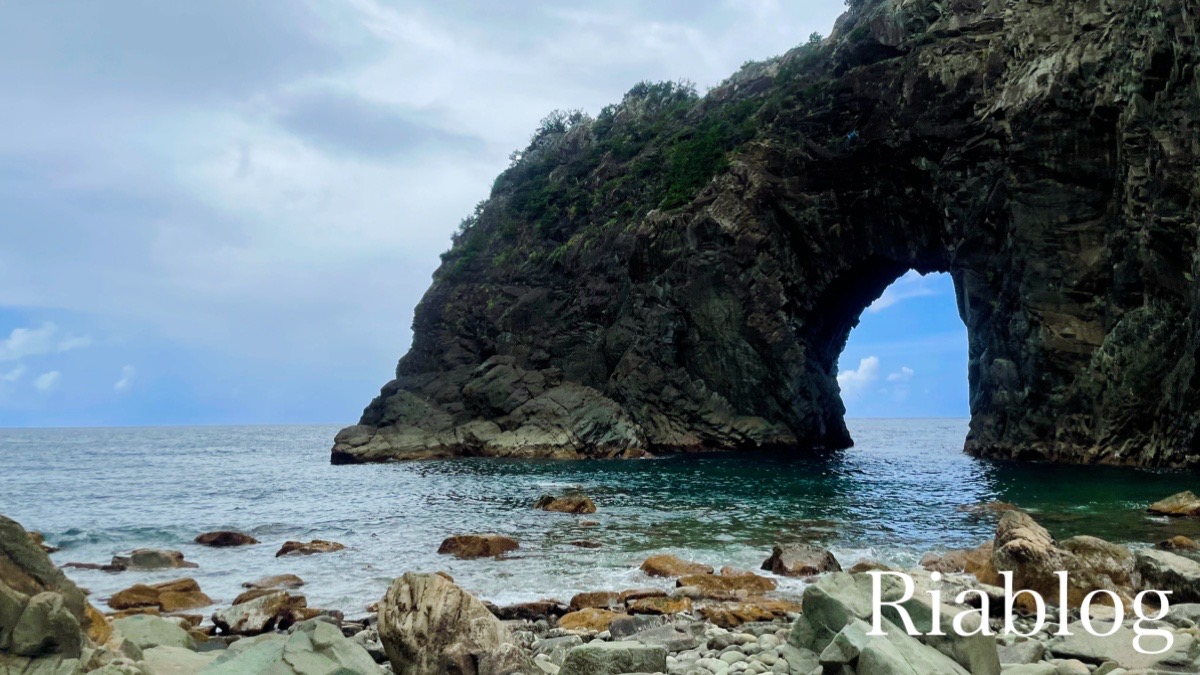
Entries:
{"x":713,"y":622}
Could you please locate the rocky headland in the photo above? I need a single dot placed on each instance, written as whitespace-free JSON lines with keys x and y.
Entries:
{"x":681,"y":272}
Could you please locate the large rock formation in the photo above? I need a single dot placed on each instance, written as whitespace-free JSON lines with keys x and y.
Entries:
{"x":682,"y":272}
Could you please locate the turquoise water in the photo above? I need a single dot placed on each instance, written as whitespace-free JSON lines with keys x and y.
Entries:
{"x":100,"y":492}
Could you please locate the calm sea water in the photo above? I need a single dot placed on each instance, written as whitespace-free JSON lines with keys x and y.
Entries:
{"x":100,"y":492}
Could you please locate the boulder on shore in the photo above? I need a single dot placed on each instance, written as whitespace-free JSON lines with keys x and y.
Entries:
{"x":1179,"y":504}
{"x":1164,"y":571}
{"x":590,"y":618}
{"x":664,"y":565}
{"x":429,"y":625}
{"x":599,"y":599}
{"x":274,"y":611}
{"x":801,"y":560}
{"x":312,"y":647}
{"x":308,"y":548}
{"x":146,"y":631}
{"x":225,"y":539}
{"x":468,"y":546}
{"x":610,"y":658}
{"x":728,"y":587}
{"x":43,"y":615}
{"x":566,"y":504}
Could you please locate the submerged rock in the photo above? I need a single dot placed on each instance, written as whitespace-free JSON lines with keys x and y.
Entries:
{"x":288,"y":581}
{"x":566,"y":504}
{"x":469,"y":546}
{"x":429,"y":625}
{"x":308,"y":548}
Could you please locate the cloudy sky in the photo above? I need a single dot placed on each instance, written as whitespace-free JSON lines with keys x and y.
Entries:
{"x":225,"y":212}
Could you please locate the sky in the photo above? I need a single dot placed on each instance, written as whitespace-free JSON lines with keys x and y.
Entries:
{"x":225,"y":212}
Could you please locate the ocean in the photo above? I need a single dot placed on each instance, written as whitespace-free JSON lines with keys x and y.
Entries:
{"x":897,"y":494}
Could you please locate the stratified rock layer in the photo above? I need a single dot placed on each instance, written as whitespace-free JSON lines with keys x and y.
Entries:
{"x":628,"y":289}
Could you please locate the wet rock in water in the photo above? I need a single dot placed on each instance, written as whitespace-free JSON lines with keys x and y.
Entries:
{"x":169,"y":596}
{"x":591,"y":618}
{"x":611,"y":658}
{"x":589,"y":523}
{"x":288,"y":581}
{"x":1180,"y":504}
{"x":1165,"y":571}
{"x":1177,"y":543}
{"x":146,"y":631}
{"x":429,"y":625}
{"x":566,"y":504}
{"x":44,"y":618}
{"x":665,"y":565}
{"x":313,"y":647}
{"x":276,"y":610}
{"x":152,"y":559}
{"x":1031,"y":554}
{"x":531,"y":611}
{"x":601,"y":599}
{"x":308,"y":548}
{"x":247,"y":596}
{"x":663,"y":605}
{"x":225,"y":538}
{"x":585,"y":543}
{"x":469,"y":546}
{"x":728,"y":588}
{"x":800,"y":560}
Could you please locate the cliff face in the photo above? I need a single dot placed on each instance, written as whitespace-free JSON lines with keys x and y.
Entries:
{"x":681,"y":273}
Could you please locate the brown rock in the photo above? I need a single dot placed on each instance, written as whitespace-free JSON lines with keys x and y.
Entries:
{"x":469,"y":546}
{"x":801,"y":560}
{"x":863,"y":566}
{"x":733,"y":614}
{"x":308,"y":548}
{"x":967,"y":560}
{"x":585,"y":543}
{"x":728,"y":588}
{"x":1027,"y":549}
{"x":99,"y":629}
{"x":600,"y":599}
{"x":247,"y":596}
{"x":665,"y":565}
{"x":665,"y":606}
{"x":1179,"y":504}
{"x":727,"y":571}
{"x":632,"y":594}
{"x":592,"y":618}
{"x":168,"y":596}
{"x":1177,"y":543}
{"x":566,"y":504}
{"x":152,"y":610}
{"x":276,"y":581}
{"x":225,"y":538}
{"x":429,"y":625}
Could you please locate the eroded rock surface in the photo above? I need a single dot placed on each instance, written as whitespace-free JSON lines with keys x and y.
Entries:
{"x":682,"y":272}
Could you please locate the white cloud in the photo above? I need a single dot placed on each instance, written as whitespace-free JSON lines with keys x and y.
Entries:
{"x":13,"y":375}
{"x":854,"y":383}
{"x":903,"y":375}
{"x":911,"y":285}
{"x":47,"y":382}
{"x":45,"y":339}
{"x":127,"y":374}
